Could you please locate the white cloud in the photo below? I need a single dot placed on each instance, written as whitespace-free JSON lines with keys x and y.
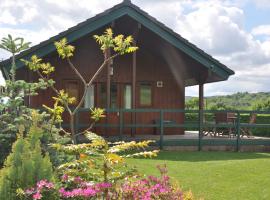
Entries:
{"x":60,"y":22}
{"x":7,"y":18}
{"x":266,"y":47}
{"x":29,"y":35}
{"x":261,"y":30}
{"x":29,"y":13}
{"x":3,"y":54}
{"x":159,"y":9}
{"x":17,"y":12}
{"x":211,"y":25}
{"x":2,"y":80}
{"x":218,"y":28}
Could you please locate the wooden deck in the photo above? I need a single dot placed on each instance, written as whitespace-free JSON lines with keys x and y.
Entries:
{"x":191,"y":142}
{"x":187,"y":135}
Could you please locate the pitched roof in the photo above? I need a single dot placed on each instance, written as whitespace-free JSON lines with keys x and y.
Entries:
{"x":124,"y":8}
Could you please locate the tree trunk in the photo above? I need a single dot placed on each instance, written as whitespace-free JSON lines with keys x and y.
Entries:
{"x":72,"y":128}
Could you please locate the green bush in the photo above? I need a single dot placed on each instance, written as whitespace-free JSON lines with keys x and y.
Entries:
{"x":25,"y":165}
{"x":261,"y":119}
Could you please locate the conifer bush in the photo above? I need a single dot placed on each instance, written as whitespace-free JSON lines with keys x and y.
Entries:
{"x":25,"y":165}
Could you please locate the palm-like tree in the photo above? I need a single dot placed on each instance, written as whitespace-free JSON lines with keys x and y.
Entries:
{"x":13,"y":46}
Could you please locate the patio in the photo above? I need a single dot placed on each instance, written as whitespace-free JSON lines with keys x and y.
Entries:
{"x":191,"y":141}
{"x":164,"y":131}
{"x":188,"y":135}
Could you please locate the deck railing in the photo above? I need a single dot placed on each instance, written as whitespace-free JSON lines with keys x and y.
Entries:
{"x":200,"y":125}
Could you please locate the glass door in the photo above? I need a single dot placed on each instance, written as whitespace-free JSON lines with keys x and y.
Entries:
{"x":120,"y":97}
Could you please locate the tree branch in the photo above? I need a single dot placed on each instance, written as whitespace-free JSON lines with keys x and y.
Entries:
{"x":76,"y":71}
{"x":91,"y":81}
{"x":55,"y":90}
{"x":81,"y":101}
{"x":67,"y":133}
{"x":88,"y":129}
{"x":100,"y":68}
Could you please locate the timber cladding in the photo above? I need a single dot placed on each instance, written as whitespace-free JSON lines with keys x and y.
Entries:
{"x":150,"y":69}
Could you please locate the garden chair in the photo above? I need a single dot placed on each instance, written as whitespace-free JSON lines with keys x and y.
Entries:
{"x":246,"y":131}
{"x":225,"y":118}
{"x":209,"y":130}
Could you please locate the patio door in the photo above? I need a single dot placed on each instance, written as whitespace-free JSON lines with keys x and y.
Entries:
{"x":120,"y":98}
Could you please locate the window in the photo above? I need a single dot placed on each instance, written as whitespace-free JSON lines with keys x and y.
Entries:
{"x":114,"y":96}
{"x":145,"y":94}
{"x":127,"y":96}
{"x":102,"y":95}
{"x":72,"y":88}
{"x":89,"y":101}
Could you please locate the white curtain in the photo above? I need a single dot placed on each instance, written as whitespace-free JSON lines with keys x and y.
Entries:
{"x":89,"y":98}
{"x":127,"y":96}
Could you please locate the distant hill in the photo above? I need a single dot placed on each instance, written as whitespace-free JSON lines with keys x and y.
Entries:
{"x":239,"y":101}
{"x":188,"y":98}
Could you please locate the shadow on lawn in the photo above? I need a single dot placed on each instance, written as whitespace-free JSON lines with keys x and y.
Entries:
{"x":208,"y":156}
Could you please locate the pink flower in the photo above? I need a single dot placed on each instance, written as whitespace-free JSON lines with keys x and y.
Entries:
{"x":50,"y":185}
{"x":103,"y":185}
{"x":41,"y":184}
{"x":78,"y":192}
{"x":37,"y":196}
{"x":44,"y":184}
{"x":89,"y":192}
{"x":65,"y":177}
{"x":30,"y":191}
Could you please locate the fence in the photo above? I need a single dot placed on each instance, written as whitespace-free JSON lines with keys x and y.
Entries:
{"x":199,"y":125}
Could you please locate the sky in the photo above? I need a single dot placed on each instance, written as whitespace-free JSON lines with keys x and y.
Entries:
{"x":236,"y":32}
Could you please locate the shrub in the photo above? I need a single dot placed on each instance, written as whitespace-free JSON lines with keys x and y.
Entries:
{"x":135,"y":188}
{"x":42,"y":189}
{"x":152,"y":188}
{"x":25,"y":165}
{"x":101,"y":161}
{"x":70,"y":188}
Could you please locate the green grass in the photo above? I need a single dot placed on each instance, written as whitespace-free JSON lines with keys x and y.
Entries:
{"x":215,"y":175}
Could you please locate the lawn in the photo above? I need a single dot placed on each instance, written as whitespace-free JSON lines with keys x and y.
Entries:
{"x":215,"y":175}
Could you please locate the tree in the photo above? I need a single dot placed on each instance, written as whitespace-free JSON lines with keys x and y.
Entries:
{"x":14,"y":46}
{"x":262,"y":105}
{"x":111,"y":46}
{"x":13,"y":110}
{"x":192,"y":104}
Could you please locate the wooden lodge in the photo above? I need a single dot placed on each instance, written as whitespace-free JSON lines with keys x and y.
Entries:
{"x":153,"y":77}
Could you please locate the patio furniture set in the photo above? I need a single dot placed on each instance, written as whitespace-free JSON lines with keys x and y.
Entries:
{"x":229,"y":120}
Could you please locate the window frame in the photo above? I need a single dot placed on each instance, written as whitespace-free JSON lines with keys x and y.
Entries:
{"x":66,"y":81}
{"x":98,"y":97}
{"x":152,"y":94}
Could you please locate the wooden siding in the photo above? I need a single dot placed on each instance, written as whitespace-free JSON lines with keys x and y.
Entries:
{"x":151,"y":67}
